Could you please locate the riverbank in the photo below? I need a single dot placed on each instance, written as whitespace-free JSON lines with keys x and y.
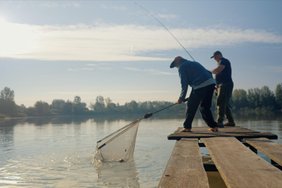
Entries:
{"x":41,"y":120}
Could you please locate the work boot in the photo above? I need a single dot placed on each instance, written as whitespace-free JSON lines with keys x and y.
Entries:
{"x":220,"y":125}
{"x":229,"y":124}
{"x":215,"y":129}
{"x":187,"y":130}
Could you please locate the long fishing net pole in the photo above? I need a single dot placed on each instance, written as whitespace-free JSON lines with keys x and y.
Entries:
{"x":157,"y":111}
{"x":166,"y":28}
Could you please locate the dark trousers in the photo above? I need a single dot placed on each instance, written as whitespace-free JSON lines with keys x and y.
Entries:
{"x":202,"y":97}
{"x":224,"y":102}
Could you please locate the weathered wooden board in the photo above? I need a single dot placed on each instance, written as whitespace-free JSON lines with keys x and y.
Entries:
{"x":239,"y":166}
{"x":185,"y":167}
{"x":270,"y":149}
{"x":203,"y":132}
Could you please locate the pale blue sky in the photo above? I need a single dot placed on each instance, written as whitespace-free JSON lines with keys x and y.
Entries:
{"x":59,"y":49}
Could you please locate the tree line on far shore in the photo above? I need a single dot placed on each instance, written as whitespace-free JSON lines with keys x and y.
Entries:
{"x":251,"y":102}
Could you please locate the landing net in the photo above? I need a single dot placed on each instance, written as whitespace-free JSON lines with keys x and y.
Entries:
{"x":118,"y":146}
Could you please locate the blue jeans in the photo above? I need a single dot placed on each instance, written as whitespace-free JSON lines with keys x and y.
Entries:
{"x":203,"y":97}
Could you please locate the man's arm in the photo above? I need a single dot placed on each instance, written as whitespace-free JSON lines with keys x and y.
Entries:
{"x":218,"y":69}
{"x":184,"y":85}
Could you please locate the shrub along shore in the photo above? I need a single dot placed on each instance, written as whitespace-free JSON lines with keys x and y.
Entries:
{"x":260,"y":102}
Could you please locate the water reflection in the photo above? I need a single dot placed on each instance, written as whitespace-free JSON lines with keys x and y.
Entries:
{"x":43,"y":120}
{"x":76,"y":120}
{"x":6,"y":140}
{"x":57,"y":120}
{"x":7,"y":132}
{"x":273,"y":126}
{"x":116,"y":174}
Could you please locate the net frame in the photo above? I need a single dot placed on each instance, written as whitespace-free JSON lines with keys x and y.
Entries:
{"x":122,"y":154}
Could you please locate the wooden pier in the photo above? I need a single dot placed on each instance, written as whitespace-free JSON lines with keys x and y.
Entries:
{"x":233,"y":151}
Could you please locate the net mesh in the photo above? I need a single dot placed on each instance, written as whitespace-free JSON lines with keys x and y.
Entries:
{"x":118,"y":146}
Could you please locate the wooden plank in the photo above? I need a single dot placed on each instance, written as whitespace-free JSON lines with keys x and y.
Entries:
{"x":240,"y":167}
{"x":203,"y":132}
{"x":270,"y":149}
{"x":185,"y":167}
{"x":236,"y":129}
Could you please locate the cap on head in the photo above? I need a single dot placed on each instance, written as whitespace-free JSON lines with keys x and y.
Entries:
{"x":216,"y":53}
{"x":175,"y":61}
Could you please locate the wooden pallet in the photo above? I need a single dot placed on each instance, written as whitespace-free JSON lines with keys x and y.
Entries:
{"x":203,"y":132}
{"x":237,"y":164}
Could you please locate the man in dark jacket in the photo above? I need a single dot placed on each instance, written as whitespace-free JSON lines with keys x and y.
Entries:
{"x":224,"y":88}
{"x":195,"y":75}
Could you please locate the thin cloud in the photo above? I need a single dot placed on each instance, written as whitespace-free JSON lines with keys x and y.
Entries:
{"x":73,"y":69}
{"x":92,"y":67}
{"x":115,"y":42}
{"x":167,"y":17}
{"x":100,"y":65}
{"x":150,"y":71}
{"x":114,"y":7}
{"x":59,"y":4}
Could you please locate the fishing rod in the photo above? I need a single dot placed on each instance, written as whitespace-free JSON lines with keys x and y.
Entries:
{"x":166,"y":28}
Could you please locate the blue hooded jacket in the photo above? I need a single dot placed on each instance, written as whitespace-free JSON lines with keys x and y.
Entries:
{"x":194,"y":74}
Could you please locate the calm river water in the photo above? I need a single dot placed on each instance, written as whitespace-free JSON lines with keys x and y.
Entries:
{"x":59,"y":152}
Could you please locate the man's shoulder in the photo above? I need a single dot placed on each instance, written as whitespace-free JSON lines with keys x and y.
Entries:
{"x":184,"y":64}
{"x":224,"y":61}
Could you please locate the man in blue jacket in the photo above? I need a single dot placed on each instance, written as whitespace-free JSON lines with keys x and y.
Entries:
{"x":195,"y":75}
